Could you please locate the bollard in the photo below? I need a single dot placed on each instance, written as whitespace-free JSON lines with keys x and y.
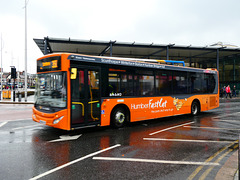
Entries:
{"x":19,"y":97}
{"x":9,"y":93}
{"x":238,"y":158}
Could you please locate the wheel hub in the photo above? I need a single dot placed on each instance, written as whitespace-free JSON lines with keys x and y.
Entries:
{"x":120,"y":117}
{"x":194,"y":109}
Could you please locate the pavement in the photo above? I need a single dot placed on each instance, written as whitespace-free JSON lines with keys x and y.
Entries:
{"x":229,"y":170}
{"x":30,"y":100}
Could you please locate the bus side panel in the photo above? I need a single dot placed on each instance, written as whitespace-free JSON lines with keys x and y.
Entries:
{"x":65,"y":67}
{"x":207,"y":102}
{"x":156,"y":107}
{"x":65,"y":62}
{"x":204,"y":103}
{"x":140,"y":108}
{"x":150,"y":108}
{"x":181,"y":106}
{"x":213,"y":102}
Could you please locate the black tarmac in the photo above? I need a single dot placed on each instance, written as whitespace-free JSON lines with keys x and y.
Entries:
{"x":179,"y":147}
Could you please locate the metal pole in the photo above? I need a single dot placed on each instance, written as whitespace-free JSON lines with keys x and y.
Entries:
{"x":223,"y":71}
{"x":1,"y":69}
{"x":167,"y":53}
{"x":45,"y":45}
{"x":218,"y":60}
{"x":18,"y":76}
{"x":25,"y":50}
{"x":110,"y":49}
{"x":234,"y":73}
{"x":14,"y":89}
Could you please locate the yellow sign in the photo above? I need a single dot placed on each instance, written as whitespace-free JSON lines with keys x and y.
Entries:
{"x":49,"y":64}
{"x":54,"y":63}
{"x":46,"y":64}
{"x":73,"y":73}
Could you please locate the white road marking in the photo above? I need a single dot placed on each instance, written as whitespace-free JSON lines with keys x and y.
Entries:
{"x":185,"y":140}
{"x":195,"y":127}
{"x":2,"y":124}
{"x":66,"y":138}
{"x":73,"y":162}
{"x":156,"y":161}
{"x":222,"y":120}
{"x":225,"y":115}
{"x":9,"y":120}
{"x":170,"y":128}
{"x":24,"y":127}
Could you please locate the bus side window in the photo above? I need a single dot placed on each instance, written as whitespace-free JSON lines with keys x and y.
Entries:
{"x":120,"y":84}
{"x":211,"y":83}
{"x":146,"y":85}
{"x":136,"y":89}
{"x":130,"y":85}
{"x":196,"y":83}
{"x":163,"y":83}
{"x":180,"y":83}
{"x":113,"y":83}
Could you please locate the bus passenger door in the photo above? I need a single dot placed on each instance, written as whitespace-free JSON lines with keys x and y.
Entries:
{"x":85,"y":98}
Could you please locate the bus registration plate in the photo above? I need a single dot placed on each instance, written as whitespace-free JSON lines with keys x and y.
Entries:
{"x":42,"y":122}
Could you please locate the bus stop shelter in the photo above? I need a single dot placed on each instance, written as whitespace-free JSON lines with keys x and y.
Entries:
{"x":225,"y":58}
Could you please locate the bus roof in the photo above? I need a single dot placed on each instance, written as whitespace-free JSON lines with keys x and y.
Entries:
{"x":132,"y":62}
{"x":142,"y":63}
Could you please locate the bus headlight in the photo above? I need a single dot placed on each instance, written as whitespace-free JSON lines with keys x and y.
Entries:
{"x":57,"y":120}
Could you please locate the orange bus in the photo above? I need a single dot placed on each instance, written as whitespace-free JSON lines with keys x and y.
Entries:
{"x":75,"y":91}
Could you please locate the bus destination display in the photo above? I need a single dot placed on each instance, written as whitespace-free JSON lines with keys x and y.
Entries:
{"x":49,"y":64}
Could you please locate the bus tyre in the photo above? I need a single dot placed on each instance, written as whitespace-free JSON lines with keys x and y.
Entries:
{"x":195,"y":108}
{"x":119,"y":117}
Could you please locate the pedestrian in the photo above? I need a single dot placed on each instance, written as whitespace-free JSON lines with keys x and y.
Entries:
{"x":224,"y":91}
{"x":221,"y":92}
{"x":234,"y":91}
{"x":228,"y":92}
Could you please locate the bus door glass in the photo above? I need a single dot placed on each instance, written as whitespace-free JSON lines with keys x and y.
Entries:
{"x":85,"y":97}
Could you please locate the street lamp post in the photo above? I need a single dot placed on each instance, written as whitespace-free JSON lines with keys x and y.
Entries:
{"x":1,"y":68}
{"x":25,"y":50}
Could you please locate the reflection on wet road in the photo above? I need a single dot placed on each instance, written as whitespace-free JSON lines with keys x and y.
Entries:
{"x":179,"y":147}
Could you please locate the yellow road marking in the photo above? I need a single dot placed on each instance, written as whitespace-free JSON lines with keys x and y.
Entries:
{"x":209,"y":159}
{"x":204,"y":175}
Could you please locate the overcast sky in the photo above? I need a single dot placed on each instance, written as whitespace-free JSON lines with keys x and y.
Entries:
{"x":182,"y":22}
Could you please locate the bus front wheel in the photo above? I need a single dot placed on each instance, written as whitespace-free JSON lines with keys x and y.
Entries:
{"x":195,"y":108}
{"x":119,"y":117}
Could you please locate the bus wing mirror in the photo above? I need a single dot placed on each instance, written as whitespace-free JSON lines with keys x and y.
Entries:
{"x":73,"y":73}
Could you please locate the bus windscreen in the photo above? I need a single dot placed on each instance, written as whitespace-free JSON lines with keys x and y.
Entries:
{"x":51,"y":91}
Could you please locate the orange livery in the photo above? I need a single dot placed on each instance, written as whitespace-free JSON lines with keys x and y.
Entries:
{"x":75,"y":91}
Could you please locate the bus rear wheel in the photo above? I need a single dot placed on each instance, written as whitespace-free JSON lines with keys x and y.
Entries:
{"x":195,"y":108}
{"x":119,"y":117}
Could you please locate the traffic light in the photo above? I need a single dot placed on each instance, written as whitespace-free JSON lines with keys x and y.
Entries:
{"x":13,"y":73}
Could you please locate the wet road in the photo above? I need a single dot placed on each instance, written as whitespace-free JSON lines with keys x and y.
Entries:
{"x":15,"y":112}
{"x":179,"y":147}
